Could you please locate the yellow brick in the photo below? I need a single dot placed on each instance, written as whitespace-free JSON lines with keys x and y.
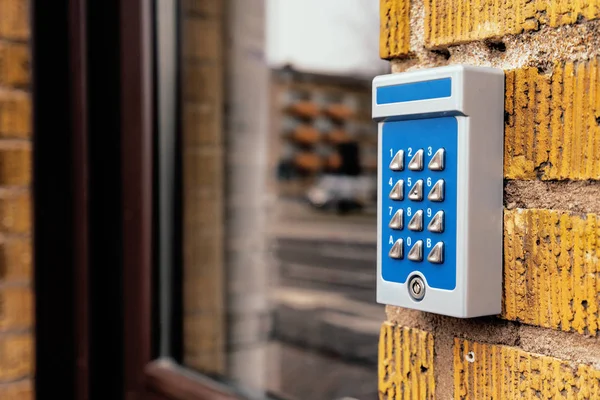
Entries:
{"x":15,"y":114}
{"x":202,"y":122}
{"x":22,"y":390}
{"x":15,"y":164}
{"x":202,"y":39}
{"x":456,"y":21}
{"x":14,"y":19}
{"x":394,"y":35}
{"x":202,"y":83}
{"x":551,"y":267}
{"x":204,"y":340}
{"x":16,"y":308}
{"x":484,"y":371}
{"x":202,"y":8}
{"x":552,"y":131}
{"x":16,"y":357}
{"x":405,"y":363}
{"x":14,"y":65}
{"x":15,"y":212}
{"x":204,"y":168}
{"x":16,"y":260}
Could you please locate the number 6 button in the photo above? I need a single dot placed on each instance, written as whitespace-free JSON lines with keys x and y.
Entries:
{"x":437,"y":191}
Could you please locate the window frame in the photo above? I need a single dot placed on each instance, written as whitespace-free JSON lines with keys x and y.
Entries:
{"x":161,"y":378}
{"x":63,"y":235}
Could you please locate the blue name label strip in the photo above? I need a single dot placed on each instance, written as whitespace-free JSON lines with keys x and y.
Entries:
{"x":427,"y":90}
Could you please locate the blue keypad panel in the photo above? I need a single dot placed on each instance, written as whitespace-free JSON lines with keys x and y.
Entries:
{"x":418,"y":214}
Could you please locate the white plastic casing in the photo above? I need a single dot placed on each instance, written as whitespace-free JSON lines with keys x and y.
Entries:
{"x":476,"y":100}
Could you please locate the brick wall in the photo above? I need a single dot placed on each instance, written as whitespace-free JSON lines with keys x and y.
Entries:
{"x":16,"y":302}
{"x":203,"y":185}
{"x":545,"y":343}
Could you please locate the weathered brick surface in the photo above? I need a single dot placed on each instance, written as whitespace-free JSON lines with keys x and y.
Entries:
{"x":484,"y":371}
{"x":14,"y":64}
{"x":16,"y":260}
{"x":552,"y":165}
{"x":14,"y":19}
{"x":15,"y":114}
{"x":16,"y":357}
{"x":22,"y":390}
{"x":405,"y":363}
{"x":16,"y":308}
{"x":552,"y":131}
{"x":15,"y":164}
{"x":16,"y":295}
{"x":551,"y":269}
{"x":455,"y":21}
{"x":15,"y":213}
{"x":394,"y":29}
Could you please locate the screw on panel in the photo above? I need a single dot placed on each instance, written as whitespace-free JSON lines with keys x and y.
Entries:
{"x":416,"y":288}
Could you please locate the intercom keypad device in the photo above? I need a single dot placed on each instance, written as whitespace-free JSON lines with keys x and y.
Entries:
{"x":420,"y":206}
{"x":440,"y":187}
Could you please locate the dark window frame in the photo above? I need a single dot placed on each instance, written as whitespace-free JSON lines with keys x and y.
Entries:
{"x":66,"y":169}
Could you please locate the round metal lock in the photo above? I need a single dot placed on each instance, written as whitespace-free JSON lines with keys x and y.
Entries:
{"x":416,"y":288}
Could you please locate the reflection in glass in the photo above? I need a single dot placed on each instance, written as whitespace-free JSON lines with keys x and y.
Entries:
{"x":276,"y":213}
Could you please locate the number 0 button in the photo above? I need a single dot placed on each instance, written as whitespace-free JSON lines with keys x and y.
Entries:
{"x":416,"y":252}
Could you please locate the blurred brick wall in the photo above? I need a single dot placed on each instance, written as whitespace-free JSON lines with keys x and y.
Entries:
{"x":545,"y":343}
{"x":16,"y":303}
{"x":203,"y":184}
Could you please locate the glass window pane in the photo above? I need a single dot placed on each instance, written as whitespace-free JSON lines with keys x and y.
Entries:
{"x":273,"y":208}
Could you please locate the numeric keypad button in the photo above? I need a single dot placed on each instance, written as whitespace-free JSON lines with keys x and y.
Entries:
{"x":397,"y":250}
{"x":437,"y":161}
{"x":416,"y":222}
{"x":436,"y":255}
{"x":437,"y":191}
{"x":436,"y":225}
{"x":416,"y":192}
{"x":397,"y":163}
{"x":416,"y":163}
{"x":397,"y":221}
{"x":397,"y":192}
{"x":416,"y":251}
